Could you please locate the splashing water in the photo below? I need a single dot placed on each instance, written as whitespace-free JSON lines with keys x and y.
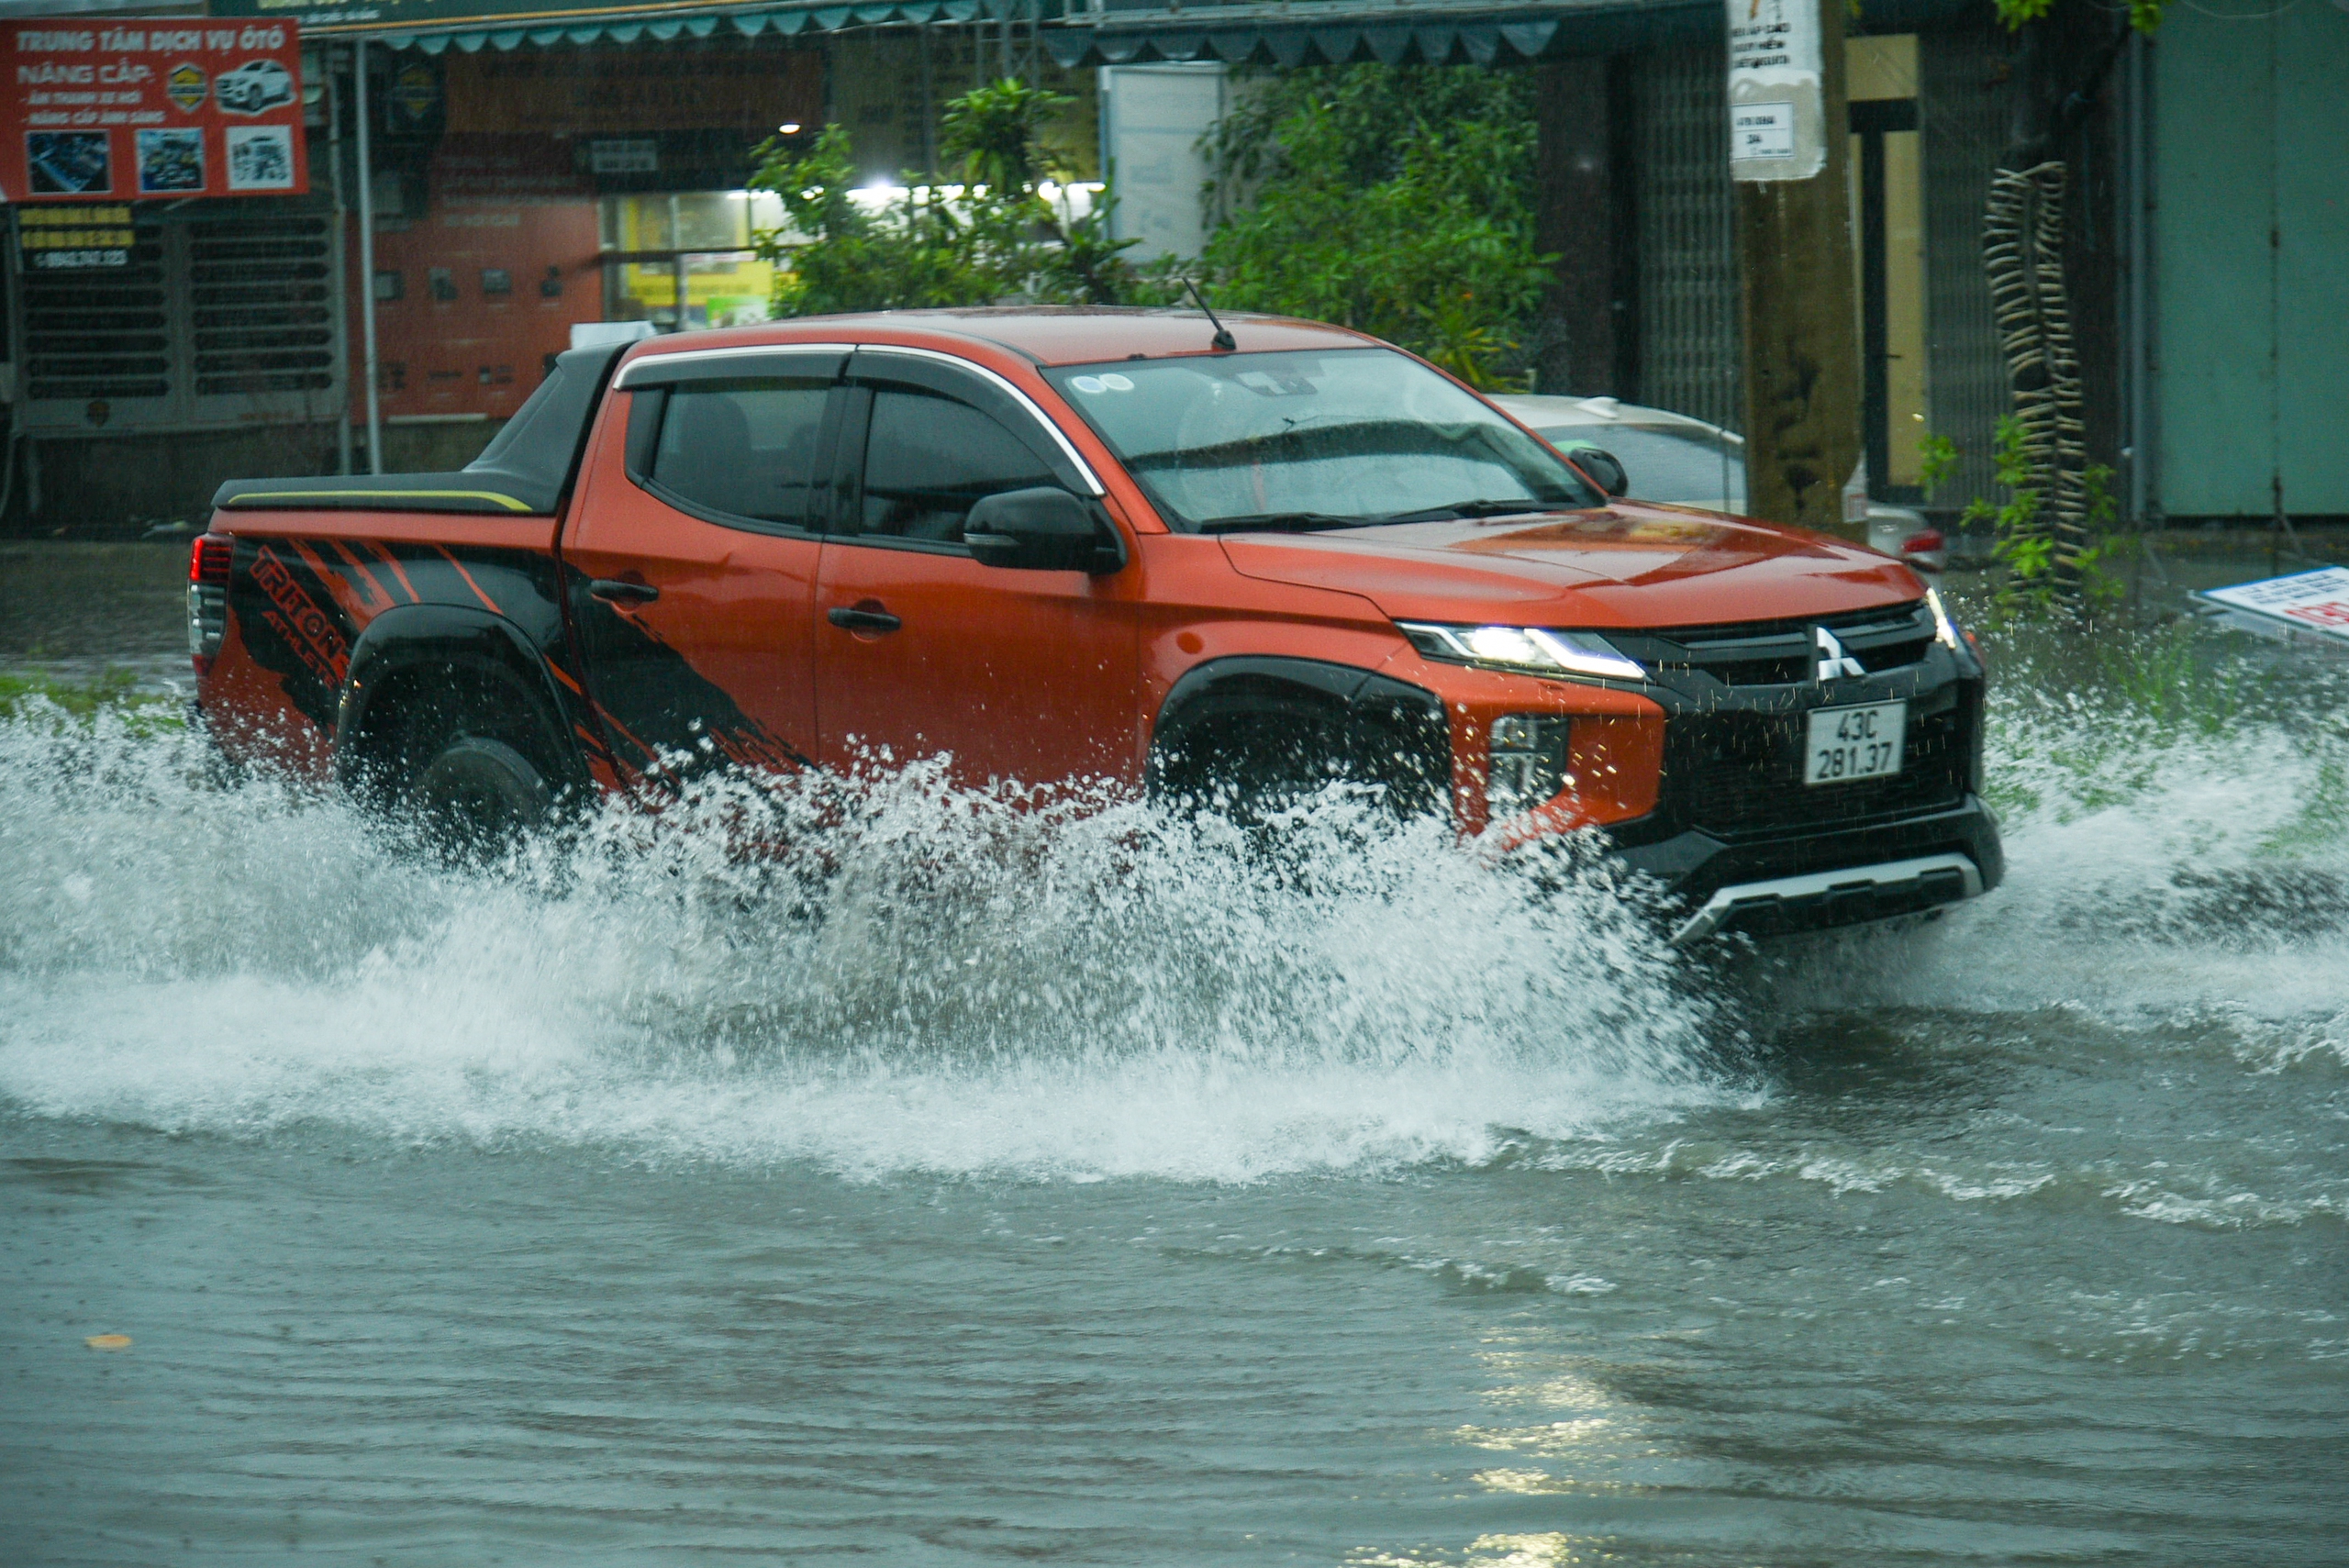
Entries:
{"x":893,"y":974}
{"x":2171,"y":854}
{"x":1454,"y":1219}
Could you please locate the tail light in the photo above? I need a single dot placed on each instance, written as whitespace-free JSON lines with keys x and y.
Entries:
{"x":207,"y":598}
{"x":1923,"y":542}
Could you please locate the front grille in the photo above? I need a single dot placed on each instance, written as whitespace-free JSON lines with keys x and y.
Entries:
{"x":1739,"y":696}
{"x":1780,"y":653}
{"x":1735,"y":771}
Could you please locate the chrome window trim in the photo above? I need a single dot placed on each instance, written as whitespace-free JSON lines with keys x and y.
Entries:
{"x":639,"y":372}
{"x":1005,"y":385}
{"x":642,"y":371}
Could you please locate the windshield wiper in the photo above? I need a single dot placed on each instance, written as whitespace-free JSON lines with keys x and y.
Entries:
{"x":1283,"y":522}
{"x":1478,"y":508}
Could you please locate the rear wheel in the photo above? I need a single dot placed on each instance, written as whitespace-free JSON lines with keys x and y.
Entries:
{"x":479,"y":797}
{"x":468,"y":759}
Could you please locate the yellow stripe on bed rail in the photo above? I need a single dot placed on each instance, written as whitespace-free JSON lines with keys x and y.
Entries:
{"x":508,"y":502}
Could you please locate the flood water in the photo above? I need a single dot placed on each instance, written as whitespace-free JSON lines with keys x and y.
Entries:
{"x":961,"y":1186}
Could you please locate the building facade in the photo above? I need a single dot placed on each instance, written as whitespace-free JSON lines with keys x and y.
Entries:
{"x":523,"y":179}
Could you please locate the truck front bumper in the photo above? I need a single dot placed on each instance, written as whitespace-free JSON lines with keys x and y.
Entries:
{"x":1805,"y":882}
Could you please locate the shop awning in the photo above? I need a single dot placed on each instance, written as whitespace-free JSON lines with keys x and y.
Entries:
{"x":1434,"y":32}
{"x":1396,"y":32}
{"x":434,"y":25}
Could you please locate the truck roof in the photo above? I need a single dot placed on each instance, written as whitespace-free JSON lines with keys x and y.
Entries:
{"x":525,"y":470}
{"x":1045,"y":334}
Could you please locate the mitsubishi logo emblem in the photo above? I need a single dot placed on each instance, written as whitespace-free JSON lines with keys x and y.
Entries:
{"x":1832,"y":659}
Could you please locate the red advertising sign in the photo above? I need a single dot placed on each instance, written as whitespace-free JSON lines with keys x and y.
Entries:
{"x":150,"y":109}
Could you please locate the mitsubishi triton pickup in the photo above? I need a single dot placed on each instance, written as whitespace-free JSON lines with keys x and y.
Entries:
{"x":1110,"y":547}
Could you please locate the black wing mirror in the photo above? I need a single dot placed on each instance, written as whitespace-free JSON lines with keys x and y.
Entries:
{"x":1603,"y":468}
{"x":1042,"y":529}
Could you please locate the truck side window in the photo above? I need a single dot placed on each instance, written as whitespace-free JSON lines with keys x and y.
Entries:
{"x":928,"y":459}
{"x":745,"y":447}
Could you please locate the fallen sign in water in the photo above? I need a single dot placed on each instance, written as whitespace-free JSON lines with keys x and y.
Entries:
{"x":2307,"y":607}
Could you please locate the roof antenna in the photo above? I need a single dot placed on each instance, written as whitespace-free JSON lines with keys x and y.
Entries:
{"x":1222,"y":339}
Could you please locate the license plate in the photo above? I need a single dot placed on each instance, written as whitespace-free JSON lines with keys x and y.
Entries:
{"x":1849,"y":743}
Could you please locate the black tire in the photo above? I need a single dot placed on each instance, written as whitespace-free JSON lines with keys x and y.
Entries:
{"x":471,"y":766}
{"x":478,"y":798}
{"x":1256,"y":766}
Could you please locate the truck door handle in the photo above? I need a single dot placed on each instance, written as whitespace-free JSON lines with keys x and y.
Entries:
{"x":620,"y":591}
{"x":855,"y":618}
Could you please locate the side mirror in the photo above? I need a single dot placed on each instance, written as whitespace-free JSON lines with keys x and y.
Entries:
{"x":1603,"y":468}
{"x":1042,"y":529}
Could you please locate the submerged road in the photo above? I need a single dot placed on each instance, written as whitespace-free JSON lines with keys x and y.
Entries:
{"x":1081,"y":1192}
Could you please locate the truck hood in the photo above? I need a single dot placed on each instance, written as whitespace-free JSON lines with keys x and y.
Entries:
{"x":1626,"y":566}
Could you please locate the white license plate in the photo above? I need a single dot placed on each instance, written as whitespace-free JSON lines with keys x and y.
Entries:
{"x":1849,"y":743}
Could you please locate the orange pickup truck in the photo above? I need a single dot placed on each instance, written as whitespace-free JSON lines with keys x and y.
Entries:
{"x":1105,"y":546}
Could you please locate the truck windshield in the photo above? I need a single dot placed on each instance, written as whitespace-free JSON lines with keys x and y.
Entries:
{"x":1312,"y":439}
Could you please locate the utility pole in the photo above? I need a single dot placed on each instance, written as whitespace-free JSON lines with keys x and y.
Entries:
{"x":367,"y":261}
{"x":1788,"y":140}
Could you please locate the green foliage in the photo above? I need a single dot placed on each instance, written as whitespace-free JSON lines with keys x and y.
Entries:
{"x":2321,"y":820}
{"x":996,"y":132}
{"x":1396,"y":200}
{"x":2145,"y":16}
{"x":1938,"y":461}
{"x":2173,"y":679}
{"x":2078,"y":725}
{"x":2024,"y":538}
{"x":38,"y":699}
{"x":989,"y":237}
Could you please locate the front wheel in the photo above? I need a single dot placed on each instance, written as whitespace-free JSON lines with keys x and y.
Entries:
{"x":1260,"y":767}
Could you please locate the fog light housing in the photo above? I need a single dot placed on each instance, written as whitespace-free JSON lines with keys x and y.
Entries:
{"x":1528,"y":762}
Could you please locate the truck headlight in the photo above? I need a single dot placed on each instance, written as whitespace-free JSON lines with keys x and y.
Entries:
{"x":1528,"y":763}
{"x":1531,"y":648}
{"x":1947,"y":632}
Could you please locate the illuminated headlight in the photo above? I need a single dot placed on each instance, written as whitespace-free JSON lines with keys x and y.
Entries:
{"x":1944,"y":628}
{"x":1947,"y":632}
{"x":1528,"y":648}
{"x":1528,"y":761}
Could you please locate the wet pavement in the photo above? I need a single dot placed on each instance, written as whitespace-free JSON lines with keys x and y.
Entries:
{"x":972,"y":1188}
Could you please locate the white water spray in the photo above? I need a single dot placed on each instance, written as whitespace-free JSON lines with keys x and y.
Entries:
{"x":893,"y":976}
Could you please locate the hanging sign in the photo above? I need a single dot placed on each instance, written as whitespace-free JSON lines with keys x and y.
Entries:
{"x":150,"y":108}
{"x":1776,"y":93}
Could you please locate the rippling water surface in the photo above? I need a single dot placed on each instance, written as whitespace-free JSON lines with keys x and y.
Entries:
{"x":885,"y":1173}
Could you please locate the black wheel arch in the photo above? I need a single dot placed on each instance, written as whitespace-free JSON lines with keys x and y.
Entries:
{"x":429,"y":647}
{"x":1397,"y":733}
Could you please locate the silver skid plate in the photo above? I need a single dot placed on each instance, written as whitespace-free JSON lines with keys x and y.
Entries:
{"x":1736,"y":899}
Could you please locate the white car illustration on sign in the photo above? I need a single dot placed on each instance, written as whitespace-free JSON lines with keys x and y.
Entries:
{"x":255,"y":85}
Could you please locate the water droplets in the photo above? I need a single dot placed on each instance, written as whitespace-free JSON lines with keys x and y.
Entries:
{"x":871,"y":975}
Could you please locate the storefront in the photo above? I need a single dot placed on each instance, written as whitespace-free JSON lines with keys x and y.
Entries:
{"x":516,"y":193}
{"x":1636,"y":188}
{"x":477,"y":186}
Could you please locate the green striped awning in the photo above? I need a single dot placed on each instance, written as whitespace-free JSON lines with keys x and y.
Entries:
{"x":1290,"y":33}
{"x":1395,"y":32}
{"x":433,"y":25}
{"x":666,"y":23}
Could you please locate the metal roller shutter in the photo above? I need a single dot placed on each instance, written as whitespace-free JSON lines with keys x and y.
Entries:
{"x":1690,"y":351}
